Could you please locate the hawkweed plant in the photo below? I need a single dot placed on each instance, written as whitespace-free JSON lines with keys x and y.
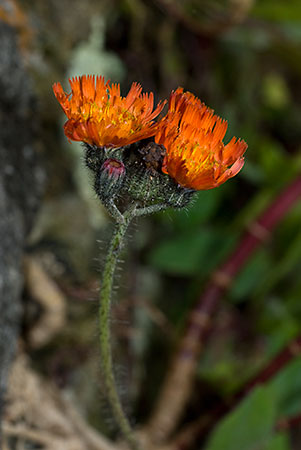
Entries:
{"x":142,"y":166}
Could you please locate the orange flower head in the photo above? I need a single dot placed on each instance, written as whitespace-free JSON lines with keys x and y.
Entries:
{"x":99,"y":115}
{"x":196,"y":157}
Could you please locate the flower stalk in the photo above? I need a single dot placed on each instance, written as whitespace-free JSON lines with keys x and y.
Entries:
{"x":105,"y":329}
{"x":122,"y":223}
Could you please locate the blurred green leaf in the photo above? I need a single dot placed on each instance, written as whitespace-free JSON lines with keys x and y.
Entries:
{"x":272,"y":157}
{"x":279,"y":11}
{"x":279,"y":330}
{"x":251,"y":276}
{"x":183,"y":254}
{"x":254,"y":207}
{"x":196,"y":252}
{"x":203,"y":207}
{"x":282,"y":266}
{"x":249,"y":426}
{"x":275,"y":91}
{"x":286,"y":386}
{"x":220,"y":370}
{"x":278,"y":442}
{"x":253,"y":173}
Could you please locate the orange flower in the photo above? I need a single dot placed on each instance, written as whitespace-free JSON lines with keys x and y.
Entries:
{"x":196,"y":156}
{"x":99,"y":115}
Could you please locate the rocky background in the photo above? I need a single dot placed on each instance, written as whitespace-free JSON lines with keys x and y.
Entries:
{"x":21,"y":181}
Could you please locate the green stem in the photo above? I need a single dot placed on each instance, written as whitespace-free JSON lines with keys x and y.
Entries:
{"x":149,"y":209}
{"x":123,"y":221}
{"x":105,"y":330}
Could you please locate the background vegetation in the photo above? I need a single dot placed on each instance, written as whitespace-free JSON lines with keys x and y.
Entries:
{"x":243,"y":59}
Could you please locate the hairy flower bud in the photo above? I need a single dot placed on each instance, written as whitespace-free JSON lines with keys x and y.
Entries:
{"x":147,"y":183}
{"x":109,"y":170}
{"x":109,"y":180}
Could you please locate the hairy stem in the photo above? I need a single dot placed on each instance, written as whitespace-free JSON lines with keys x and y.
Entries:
{"x":123,"y":221}
{"x":105,"y":330}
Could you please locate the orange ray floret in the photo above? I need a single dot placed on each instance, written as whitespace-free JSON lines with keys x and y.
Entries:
{"x":196,"y":156}
{"x":99,"y":115}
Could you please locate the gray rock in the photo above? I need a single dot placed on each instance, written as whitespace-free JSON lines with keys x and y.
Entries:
{"x":21,"y":182}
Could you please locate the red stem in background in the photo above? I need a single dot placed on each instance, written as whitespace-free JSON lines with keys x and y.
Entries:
{"x":292,"y":350}
{"x":200,"y":427}
{"x":258,"y":232}
{"x":177,"y":386}
{"x":291,"y":422}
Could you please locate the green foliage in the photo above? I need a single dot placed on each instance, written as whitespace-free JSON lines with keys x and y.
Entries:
{"x":278,"y":11}
{"x":276,"y":93}
{"x":201,"y":210}
{"x":287,"y":387}
{"x":189,"y":253}
{"x":251,"y":275}
{"x":252,"y":423}
{"x":249,"y":426}
{"x":279,"y":441}
{"x":193,"y":246}
{"x":183,"y":254}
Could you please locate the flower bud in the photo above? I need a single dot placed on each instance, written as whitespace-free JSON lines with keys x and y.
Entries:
{"x":147,"y":184}
{"x":109,"y":170}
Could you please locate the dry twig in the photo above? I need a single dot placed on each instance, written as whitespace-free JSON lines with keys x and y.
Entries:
{"x":37,"y":412}
{"x":45,"y":292}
